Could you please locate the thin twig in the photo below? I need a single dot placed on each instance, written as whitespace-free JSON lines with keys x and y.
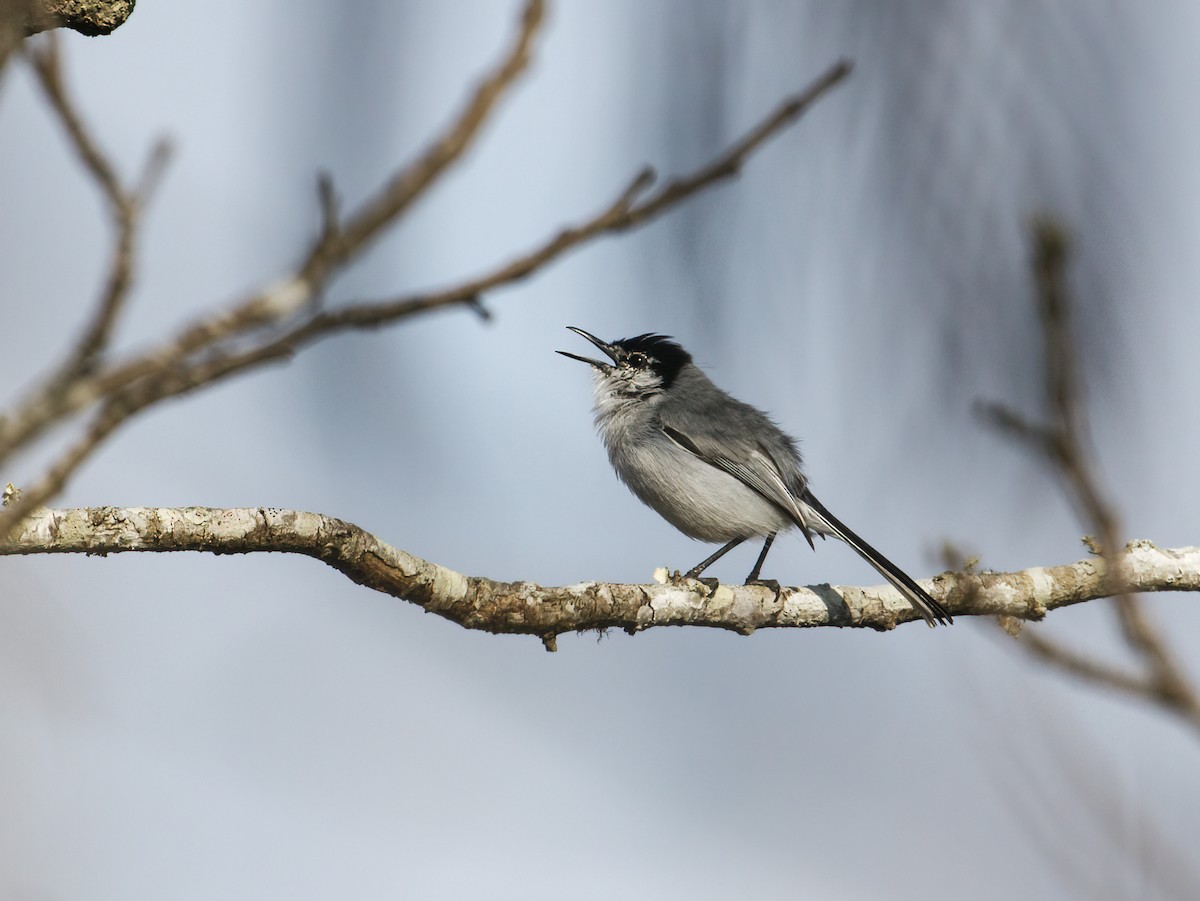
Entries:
{"x":372,"y":315}
{"x":124,"y":207}
{"x":730,"y":162}
{"x":408,"y":184}
{"x":627,"y":211}
{"x":47,"y":64}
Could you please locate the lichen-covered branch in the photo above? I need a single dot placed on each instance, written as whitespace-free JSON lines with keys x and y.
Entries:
{"x":529,"y":609}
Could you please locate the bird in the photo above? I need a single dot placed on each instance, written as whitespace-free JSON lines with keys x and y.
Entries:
{"x":714,"y":467}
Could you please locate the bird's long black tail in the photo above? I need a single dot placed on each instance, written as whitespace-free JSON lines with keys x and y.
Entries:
{"x":933,"y":612}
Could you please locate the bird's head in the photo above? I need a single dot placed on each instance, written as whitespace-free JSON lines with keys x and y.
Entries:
{"x":642,"y":367}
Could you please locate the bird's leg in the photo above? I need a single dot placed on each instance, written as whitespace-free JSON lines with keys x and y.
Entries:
{"x":694,"y":572}
{"x":758,"y":564}
{"x":753,"y":578}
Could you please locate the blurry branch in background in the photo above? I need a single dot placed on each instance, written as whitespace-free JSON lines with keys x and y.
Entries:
{"x":1063,"y":441}
{"x":274,"y":323}
{"x":524,"y":608}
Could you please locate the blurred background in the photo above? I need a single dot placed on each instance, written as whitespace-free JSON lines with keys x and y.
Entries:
{"x":192,"y":727}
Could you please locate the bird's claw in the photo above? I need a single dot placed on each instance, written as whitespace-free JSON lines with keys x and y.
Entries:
{"x":709,"y":582}
{"x":767,"y":583}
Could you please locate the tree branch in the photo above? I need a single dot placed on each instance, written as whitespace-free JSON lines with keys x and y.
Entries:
{"x":528,"y":609}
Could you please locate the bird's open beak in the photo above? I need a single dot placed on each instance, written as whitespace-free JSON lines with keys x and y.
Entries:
{"x":598,"y":364}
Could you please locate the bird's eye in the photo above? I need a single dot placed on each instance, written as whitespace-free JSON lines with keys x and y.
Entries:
{"x":637,"y":358}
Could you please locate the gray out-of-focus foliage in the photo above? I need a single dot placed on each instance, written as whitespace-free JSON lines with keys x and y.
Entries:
{"x":197,"y":727}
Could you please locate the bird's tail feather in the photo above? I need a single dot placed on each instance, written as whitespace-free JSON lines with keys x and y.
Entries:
{"x":933,"y":612}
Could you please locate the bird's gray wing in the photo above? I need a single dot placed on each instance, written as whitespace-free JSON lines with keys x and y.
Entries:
{"x":750,"y":463}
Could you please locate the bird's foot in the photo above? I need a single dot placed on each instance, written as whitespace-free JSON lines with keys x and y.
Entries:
{"x":709,"y":582}
{"x":768,"y":583}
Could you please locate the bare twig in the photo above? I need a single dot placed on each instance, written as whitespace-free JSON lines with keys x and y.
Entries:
{"x":624,"y":212}
{"x":529,"y":609}
{"x":1063,"y":440}
{"x":730,"y":162}
{"x":629,"y":210}
{"x":408,"y":184}
{"x":124,"y":207}
{"x":372,"y":315}
{"x":47,"y":64}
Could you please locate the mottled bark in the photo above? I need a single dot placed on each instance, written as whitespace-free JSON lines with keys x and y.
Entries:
{"x":545,"y":611}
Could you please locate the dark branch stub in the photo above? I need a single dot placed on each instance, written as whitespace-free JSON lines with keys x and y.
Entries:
{"x":93,"y":18}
